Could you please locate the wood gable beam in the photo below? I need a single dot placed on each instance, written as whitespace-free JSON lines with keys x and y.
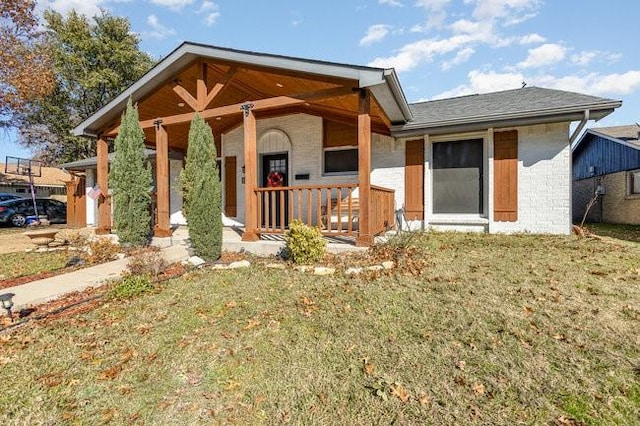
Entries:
{"x":217,"y":88}
{"x":185,"y":96}
{"x":260,"y":105}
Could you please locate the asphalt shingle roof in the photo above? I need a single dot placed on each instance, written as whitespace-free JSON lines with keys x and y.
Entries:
{"x":629,"y":134}
{"x":496,"y":105}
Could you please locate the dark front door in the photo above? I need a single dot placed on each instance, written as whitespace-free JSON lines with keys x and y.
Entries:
{"x":275,"y":169}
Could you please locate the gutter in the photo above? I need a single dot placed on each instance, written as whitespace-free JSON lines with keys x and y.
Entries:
{"x":578,"y":129}
{"x":394,"y":84}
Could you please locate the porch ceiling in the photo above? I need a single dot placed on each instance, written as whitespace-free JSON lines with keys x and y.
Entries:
{"x":243,"y":83}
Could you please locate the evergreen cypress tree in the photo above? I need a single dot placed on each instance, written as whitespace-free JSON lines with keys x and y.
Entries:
{"x":130,"y":181}
{"x":201,"y":192}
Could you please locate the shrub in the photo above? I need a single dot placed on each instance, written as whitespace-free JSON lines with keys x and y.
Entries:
{"x":201,"y":192}
{"x":304,"y":244}
{"x":130,"y":181}
{"x":147,"y":261}
{"x":131,"y":286}
{"x":102,"y":250}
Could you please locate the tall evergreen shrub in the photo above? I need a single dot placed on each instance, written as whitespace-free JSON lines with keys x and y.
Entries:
{"x":201,"y":192}
{"x":130,"y":182}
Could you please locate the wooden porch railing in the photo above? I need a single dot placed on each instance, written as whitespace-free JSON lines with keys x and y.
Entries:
{"x":333,"y":208}
{"x":382,"y":209}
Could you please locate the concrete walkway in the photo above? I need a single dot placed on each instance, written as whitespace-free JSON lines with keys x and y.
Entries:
{"x":41,"y":291}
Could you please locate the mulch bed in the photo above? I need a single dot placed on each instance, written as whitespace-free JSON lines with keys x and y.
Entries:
{"x":12,"y":282}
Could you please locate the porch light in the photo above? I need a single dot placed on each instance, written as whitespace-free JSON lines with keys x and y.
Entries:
{"x":7,"y":302}
{"x":279,"y":85}
{"x":181,"y":104}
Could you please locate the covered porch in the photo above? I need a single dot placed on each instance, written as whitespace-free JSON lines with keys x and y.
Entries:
{"x":245,"y":97}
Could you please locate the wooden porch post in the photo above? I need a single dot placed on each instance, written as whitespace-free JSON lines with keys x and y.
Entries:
{"x":250,"y":175}
{"x":104,"y":204}
{"x":364,"y":168}
{"x":162,"y":228}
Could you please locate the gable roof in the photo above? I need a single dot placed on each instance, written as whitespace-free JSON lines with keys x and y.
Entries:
{"x":51,"y":176}
{"x":529,"y":105}
{"x":383,"y":83}
{"x":625,"y":135}
{"x":92,"y":162}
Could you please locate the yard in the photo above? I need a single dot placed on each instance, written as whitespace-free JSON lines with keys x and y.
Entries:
{"x":473,"y":329}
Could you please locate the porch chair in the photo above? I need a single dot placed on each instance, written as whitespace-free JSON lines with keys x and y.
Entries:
{"x":341,"y":206}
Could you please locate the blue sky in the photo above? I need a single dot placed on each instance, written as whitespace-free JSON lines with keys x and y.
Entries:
{"x":440,"y":48}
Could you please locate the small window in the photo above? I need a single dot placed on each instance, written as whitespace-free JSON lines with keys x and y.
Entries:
{"x":634,"y":182}
{"x":341,"y":161}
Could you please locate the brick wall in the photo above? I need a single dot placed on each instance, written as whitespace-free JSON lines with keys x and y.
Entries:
{"x":544,"y":181}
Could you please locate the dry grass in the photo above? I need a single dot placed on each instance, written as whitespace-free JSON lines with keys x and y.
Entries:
{"x":493,"y":330}
{"x":621,"y":232}
{"x":19,"y":264}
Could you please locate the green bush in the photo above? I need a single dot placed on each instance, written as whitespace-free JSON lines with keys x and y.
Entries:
{"x":131,"y":286}
{"x":201,"y":192}
{"x":304,"y":244}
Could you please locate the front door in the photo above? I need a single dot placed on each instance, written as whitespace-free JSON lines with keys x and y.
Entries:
{"x":275,"y":169}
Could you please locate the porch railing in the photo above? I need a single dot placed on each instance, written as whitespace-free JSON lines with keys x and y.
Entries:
{"x":335,"y":209}
{"x":382,"y":209}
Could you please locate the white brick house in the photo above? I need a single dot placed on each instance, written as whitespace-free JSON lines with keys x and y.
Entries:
{"x":349,"y":147}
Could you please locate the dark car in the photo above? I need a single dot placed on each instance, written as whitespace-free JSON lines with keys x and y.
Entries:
{"x":15,"y":212}
{"x":5,"y":196}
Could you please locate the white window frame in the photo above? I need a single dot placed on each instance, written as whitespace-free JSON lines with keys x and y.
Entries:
{"x":633,"y":182}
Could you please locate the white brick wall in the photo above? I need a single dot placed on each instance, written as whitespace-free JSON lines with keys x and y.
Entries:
{"x":544,"y":181}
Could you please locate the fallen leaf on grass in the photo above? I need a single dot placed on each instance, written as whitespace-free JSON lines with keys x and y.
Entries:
{"x":559,"y":337}
{"x":423,"y":399}
{"x":461,"y":365}
{"x":567,"y":421}
{"x":306,"y":301}
{"x":144,"y":328}
{"x":478,"y":388}
{"x":251,"y":324}
{"x":111,"y":373}
{"x":107,"y":416}
{"x":528,"y":310}
{"x":368,"y":368}
{"x":51,"y":379}
{"x":399,"y":391}
{"x":125,"y":389}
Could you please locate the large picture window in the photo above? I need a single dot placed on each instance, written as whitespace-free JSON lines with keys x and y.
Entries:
{"x":457,"y":177}
{"x":341,"y":160}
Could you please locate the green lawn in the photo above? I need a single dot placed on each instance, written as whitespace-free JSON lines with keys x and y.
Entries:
{"x":476,"y":329}
{"x":14,"y":265}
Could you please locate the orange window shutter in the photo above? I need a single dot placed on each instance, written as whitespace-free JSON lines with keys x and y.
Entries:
{"x":505,"y":176}
{"x":414,"y":180}
{"x":230,"y":190}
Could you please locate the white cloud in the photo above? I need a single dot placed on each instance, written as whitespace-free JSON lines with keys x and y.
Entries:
{"x":211,"y":12}
{"x":84,"y":7}
{"x":172,"y":4}
{"x":532,"y":39}
{"x":462,"y":56}
{"x":594,"y":83}
{"x":436,"y":10}
{"x":375,"y":33}
{"x":583,"y":58}
{"x":512,"y":11}
{"x":394,"y":3}
{"x":547,"y":54}
{"x":159,"y":31}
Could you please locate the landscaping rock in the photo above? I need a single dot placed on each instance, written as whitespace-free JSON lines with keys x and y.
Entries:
{"x":353,"y":271}
{"x":374,"y":268}
{"x":239,"y":264}
{"x":55,"y":243}
{"x":196,"y":261}
{"x":74,"y":261}
{"x":303,"y":268}
{"x":275,"y":266}
{"x":120,"y":256}
{"x":219,"y":266}
{"x":322,"y":270}
{"x":388,"y":264}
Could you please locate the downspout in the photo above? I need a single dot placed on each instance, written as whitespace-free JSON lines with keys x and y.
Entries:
{"x":576,"y":132}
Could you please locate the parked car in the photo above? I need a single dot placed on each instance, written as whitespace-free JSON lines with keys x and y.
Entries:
{"x":15,"y":212}
{"x":5,"y":196}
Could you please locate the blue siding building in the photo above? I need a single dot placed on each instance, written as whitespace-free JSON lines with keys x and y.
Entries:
{"x":607,"y":161}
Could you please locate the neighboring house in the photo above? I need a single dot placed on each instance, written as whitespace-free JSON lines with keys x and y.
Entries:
{"x":607,"y":160}
{"x":349,"y":147}
{"x":50,"y":185}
